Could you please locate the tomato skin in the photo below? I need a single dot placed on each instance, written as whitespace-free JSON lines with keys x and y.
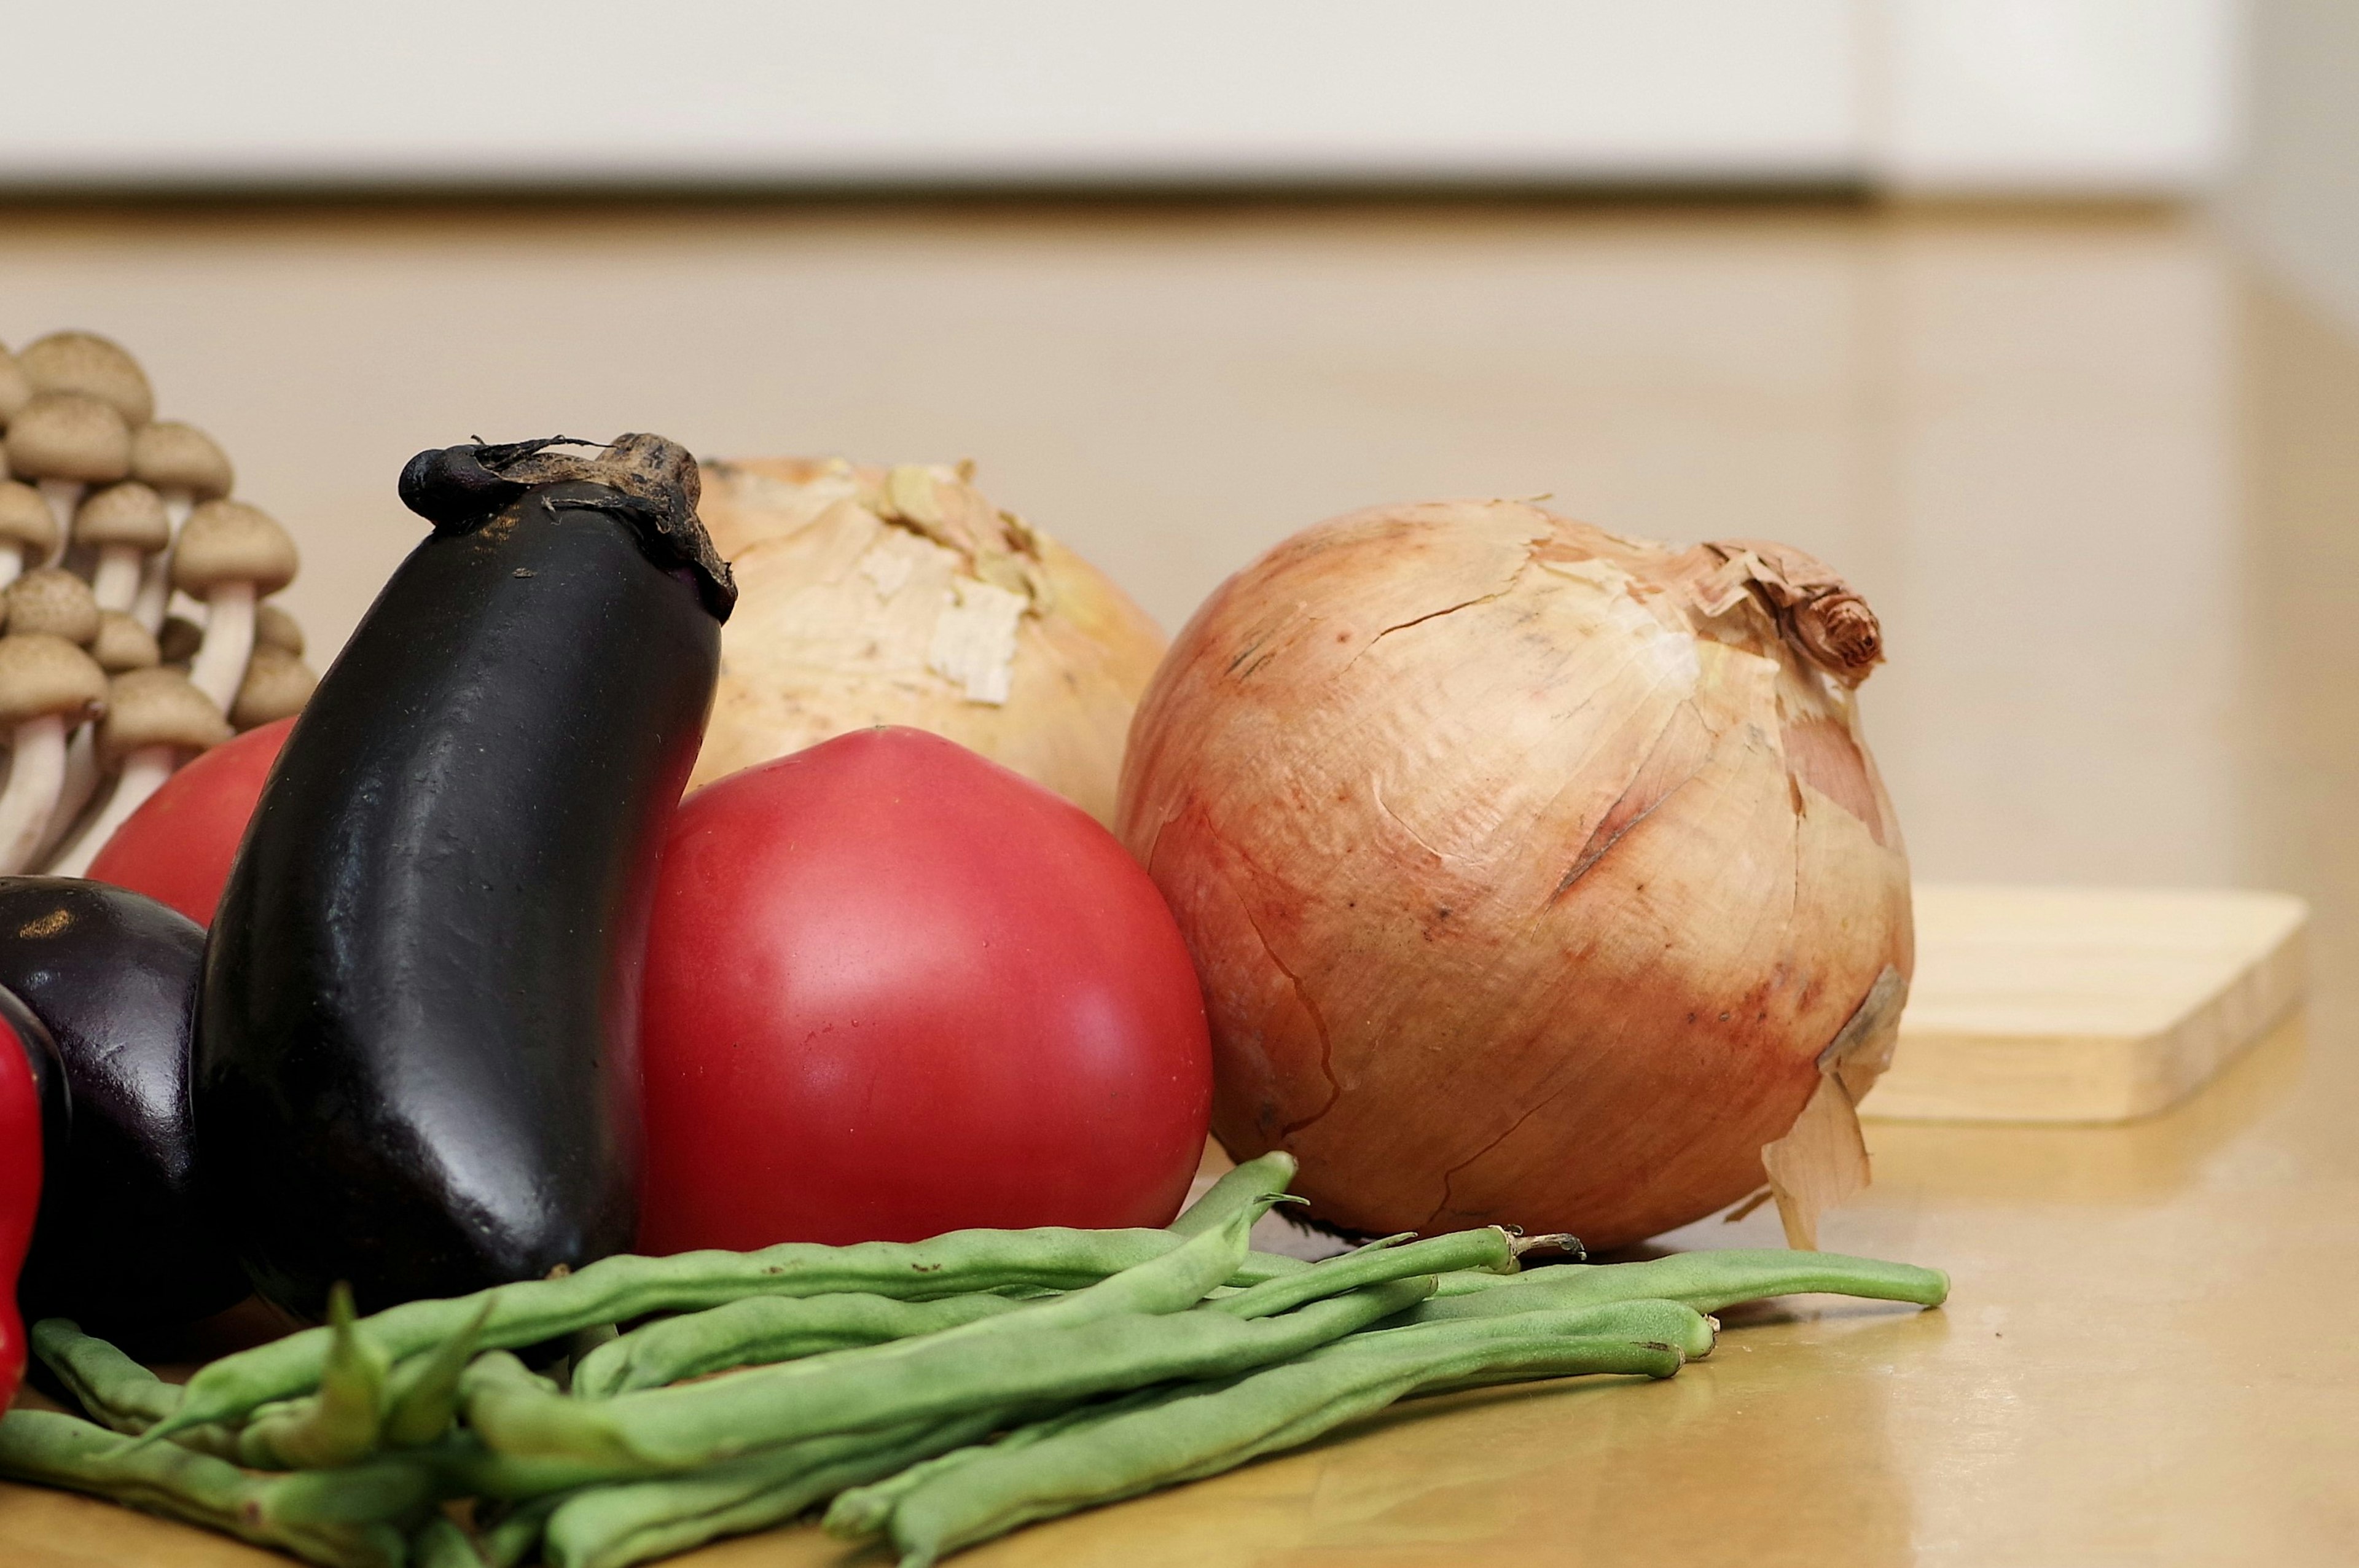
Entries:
{"x":894,"y":989}
{"x":176,"y":848}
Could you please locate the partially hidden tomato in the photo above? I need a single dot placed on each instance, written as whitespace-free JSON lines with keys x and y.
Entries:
{"x":176,"y":848}
{"x":893,"y":989}
{"x":21,"y":1191}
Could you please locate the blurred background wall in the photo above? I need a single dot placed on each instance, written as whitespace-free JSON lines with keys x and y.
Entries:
{"x":2118,"y":96}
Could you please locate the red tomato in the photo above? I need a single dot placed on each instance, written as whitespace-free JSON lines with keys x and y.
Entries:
{"x":177,"y":849}
{"x":20,"y":1194}
{"x":894,"y":989}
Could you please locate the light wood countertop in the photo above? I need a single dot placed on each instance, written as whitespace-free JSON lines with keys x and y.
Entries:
{"x":2097,"y":476}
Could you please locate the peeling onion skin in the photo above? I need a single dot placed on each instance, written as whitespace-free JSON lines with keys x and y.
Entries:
{"x":840,"y":591}
{"x":1527,"y":868}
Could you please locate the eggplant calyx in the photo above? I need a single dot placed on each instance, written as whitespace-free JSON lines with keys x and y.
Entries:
{"x":653,"y":483}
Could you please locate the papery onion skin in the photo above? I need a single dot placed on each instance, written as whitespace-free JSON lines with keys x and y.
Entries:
{"x":1527,"y":868}
{"x":845,"y":574}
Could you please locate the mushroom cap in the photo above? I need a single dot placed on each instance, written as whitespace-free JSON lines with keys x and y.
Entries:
{"x":173,"y":456}
{"x":276,"y":683}
{"x":274,"y":628}
{"x":54,"y":602}
{"x":64,"y":435}
{"x":44,"y":674}
{"x":25,"y":519}
{"x":123,"y":643}
{"x":127,"y":512}
{"x":93,"y":366}
{"x":14,"y":388}
{"x":228,"y":541}
{"x":178,"y":643}
{"x":158,"y":707}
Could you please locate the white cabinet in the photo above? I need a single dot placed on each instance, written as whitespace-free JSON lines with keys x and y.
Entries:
{"x":2076,"y":94}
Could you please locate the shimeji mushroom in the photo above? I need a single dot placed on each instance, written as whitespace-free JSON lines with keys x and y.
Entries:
{"x":230,"y":555}
{"x":183,"y":466}
{"x":28,"y":530}
{"x":277,"y":683}
{"x":154,"y":718}
{"x":92,"y":366}
{"x":53,"y":602}
{"x":274,"y":628}
{"x":123,"y":643}
{"x":64,"y":442}
{"x":124,"y":524}
{"x":46,"y":684}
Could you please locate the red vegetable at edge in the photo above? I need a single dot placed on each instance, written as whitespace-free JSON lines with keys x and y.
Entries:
{"x":20,"y":1194}
{"x":894,"y":989}
{"x":176,"y":848}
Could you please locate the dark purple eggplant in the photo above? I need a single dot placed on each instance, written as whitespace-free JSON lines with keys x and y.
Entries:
{"x":417,"y":1064}
{"x":123,"y":1245}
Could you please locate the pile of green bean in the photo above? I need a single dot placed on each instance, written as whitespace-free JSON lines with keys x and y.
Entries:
{"x":936,"y":1393}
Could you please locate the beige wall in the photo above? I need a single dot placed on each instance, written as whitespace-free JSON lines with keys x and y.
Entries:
{"x":2018,"y":435}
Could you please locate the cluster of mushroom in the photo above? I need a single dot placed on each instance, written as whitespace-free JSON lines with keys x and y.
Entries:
{"x":105,"y":514}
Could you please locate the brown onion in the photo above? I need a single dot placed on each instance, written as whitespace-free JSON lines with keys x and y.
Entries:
{"x":900,"y":596}
{"x":1536,"y":875}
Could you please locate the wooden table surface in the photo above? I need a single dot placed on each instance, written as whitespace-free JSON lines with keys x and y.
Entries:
{"x":2095,"y":471}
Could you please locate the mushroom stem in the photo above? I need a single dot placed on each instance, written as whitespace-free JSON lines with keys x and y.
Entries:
{"x":12,"y":563}
{"x":37,"y":769}
{"x":155,"y":596}
{"x":74,"y":790}
{"x":155,"y":592}
{"x":144,"y":770}
{"x":63,"y":495}
{"x":114,"y":581}
{"x":220,"y":663}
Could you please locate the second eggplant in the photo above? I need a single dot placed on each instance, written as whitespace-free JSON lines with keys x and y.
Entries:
{"x":123,"y":1244}
{"x":417,"y":1047}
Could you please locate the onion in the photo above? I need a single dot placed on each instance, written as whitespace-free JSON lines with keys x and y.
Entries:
{"x":1536,"y":875}
{"x":900,"y":596}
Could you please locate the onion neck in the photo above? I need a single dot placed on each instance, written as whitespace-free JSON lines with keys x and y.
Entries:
{"x":1817,"y":612}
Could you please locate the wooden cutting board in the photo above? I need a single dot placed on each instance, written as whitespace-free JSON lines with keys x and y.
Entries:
{"x":2084,"y":1004}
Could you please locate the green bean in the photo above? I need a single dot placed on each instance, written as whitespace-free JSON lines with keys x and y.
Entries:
{"x":1489,"y":1247}
{"x":463,"y":1467}
{"x":764,"y":1329}
{"x":1202,"y":1431}
{"x":515,"y":1535}
{"x":627,"y":1286}
{"x":1704,"y":1280}
{"x":338,"y":1425}
{"x":422,"y":1394}
{"x":442,"y":1544}
{"x":1172,"y":1283}
{"x":385,"y":1490}
{"x":861,"y":1512}
{"x":864,"y":1511}
{"x":612,"y":1527}
{"x":940,"y":1377}
{"x":55,"y":1450}
{"x":1668,"y":1322}
{"x":117,"y":1391}
{"x":513,"y":1421}
{"x":1270,"y":1173}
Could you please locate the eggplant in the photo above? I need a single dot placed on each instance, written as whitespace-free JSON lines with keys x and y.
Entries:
{"x":417,"y":1043}
{"x":123,"y":1245}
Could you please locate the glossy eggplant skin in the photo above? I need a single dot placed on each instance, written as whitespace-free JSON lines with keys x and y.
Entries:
{"x":418,"y":1041}
{"x":123,"y":1245}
